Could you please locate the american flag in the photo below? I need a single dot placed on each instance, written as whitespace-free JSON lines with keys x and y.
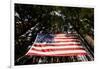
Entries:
{"x":57,"y":45}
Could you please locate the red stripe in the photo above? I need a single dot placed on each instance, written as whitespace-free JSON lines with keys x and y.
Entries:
{"x":68,"y":35}
{"x":69,"y":41}
{"x":59,"y":33}
{"x":66,"y":38}
{"x":56,"y":44}
{"x":65,"y":33}
{"x":70,"y":54}
{"x":47,"y":50}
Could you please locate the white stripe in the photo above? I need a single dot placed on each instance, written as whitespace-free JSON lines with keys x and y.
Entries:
{"x":64,"y":39}
{"x":58,"y":52}
{"x":59,"y":43}
{"x":58,"y":35}
{"x":55,"y":47}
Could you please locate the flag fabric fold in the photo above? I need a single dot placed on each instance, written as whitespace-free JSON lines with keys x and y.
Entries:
{"x":56,"y":45}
